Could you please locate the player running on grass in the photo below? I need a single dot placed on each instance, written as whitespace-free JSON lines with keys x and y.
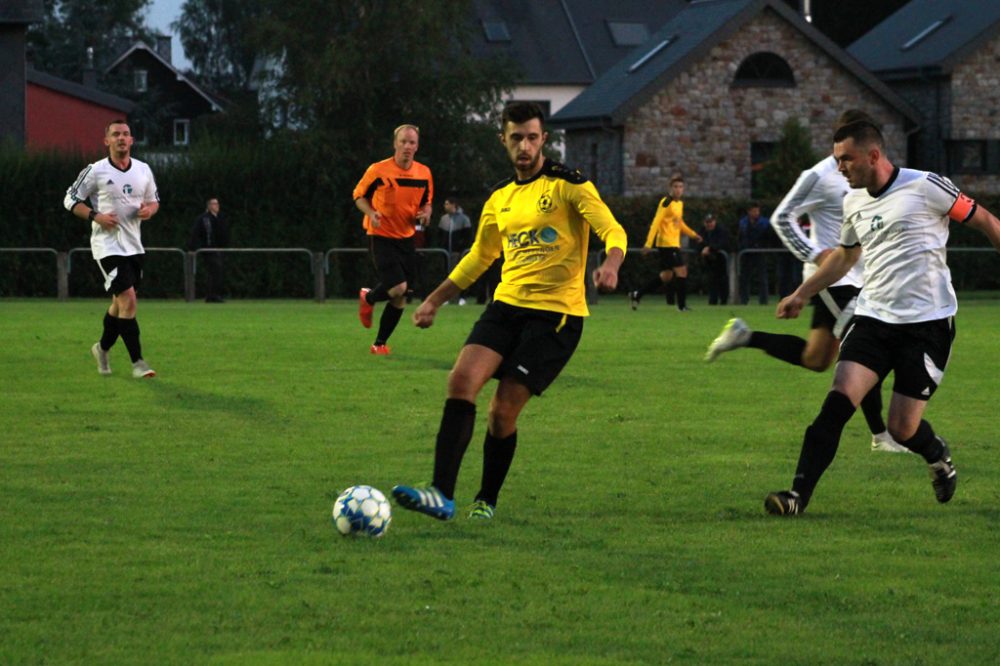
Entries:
{"x":540,"y":221}
{"x":819,"y":193}
{"x":905,"y":317}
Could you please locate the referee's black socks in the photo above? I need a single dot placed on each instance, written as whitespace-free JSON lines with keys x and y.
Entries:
{"x":820,"y":443}
{"x":453,"y":438}
{"x":387,"y":323}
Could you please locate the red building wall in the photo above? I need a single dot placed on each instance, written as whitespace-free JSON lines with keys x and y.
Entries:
{"x":60,"y":121}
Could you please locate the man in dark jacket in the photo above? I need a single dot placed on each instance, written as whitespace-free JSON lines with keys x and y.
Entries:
{"x":211,"y":230}
{"x":714,"y":246}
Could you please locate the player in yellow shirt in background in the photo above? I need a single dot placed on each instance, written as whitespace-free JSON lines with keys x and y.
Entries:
{"x":665,"y":235}
{"x":541,"y":221}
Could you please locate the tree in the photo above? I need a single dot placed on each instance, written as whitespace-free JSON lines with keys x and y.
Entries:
{"x":350,"y":71}
{"x":218,"y":39}
{"x":792,"y":154}
{"x":59,"y":44}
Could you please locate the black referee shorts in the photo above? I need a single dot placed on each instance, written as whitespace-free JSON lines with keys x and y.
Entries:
{"x":917,"y":353}
{"x":670,"y":258}
{"x":121,"y":272}
{"x":535,"y":344}
{"x":395,"y":260}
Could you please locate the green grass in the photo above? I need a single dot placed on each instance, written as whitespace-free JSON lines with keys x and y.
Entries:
{"x":185,"y":519}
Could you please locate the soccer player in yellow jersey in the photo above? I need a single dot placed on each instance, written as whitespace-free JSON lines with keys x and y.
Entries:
{"x":665,"y":235}
{"x":540,"y":221}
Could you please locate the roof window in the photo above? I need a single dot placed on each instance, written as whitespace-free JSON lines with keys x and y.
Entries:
{"x":626,"y":33}
{"x":496,"y":30}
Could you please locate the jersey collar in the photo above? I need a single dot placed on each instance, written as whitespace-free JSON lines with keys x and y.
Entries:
{"x":888,"y":184}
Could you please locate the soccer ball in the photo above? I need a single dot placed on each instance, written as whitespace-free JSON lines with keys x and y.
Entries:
{"x":362,"y":510}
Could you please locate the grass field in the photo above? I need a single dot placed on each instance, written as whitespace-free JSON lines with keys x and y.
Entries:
{"x":185,"y":519}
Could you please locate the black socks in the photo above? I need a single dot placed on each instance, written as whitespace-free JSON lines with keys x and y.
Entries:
{"x":680,"y":285}
{"x":387,"y":323}
{"x":925,"y":444}
{"x":111,"y":331}
{"x":129,"y":330}
{"x":788,"y":348}
{"x":453,"y":438}
{"x":820,"y":443}
{"x":871,"y":407}
{"x":497,"y":456}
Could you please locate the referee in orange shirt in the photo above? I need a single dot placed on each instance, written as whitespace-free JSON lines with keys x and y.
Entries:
{"x":395,"y":195}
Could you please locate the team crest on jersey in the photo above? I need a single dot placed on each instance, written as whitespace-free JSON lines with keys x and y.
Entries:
{"x":545,"y":203}
{"x":127,"y":189}
{"x":877,"y":223}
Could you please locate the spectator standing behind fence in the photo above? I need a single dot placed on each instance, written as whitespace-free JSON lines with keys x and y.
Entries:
{"x":395,"y":195}
{"x":454,"y":228}
{"x":211,"y":230}
{"x":714,"y":246}
{"x":755,"y":233}
{"x":116,"y":194}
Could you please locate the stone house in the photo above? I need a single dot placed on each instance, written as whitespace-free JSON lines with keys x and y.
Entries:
{"x":944,"y":59}
{"x":708,"y":94}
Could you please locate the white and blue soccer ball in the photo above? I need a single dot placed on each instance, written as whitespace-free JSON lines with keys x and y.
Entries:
{"x":362,"y":511}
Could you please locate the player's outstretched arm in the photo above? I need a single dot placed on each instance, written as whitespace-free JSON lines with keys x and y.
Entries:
{"x":424,"y":316}
{"x":986,"y":222}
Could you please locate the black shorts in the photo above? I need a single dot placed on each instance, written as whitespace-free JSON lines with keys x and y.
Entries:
{"x":535,"y":344}
{"x":670,"y":258}
{"x":121,"y":272}
{"x":823,"y":315}
{"x":395,"y":260}
{"x":917,"y":353}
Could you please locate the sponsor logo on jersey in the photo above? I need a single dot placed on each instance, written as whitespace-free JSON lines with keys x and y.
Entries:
{"x":545,"y":203}
{"x":545,"y":236}
{"x":110,"y":182}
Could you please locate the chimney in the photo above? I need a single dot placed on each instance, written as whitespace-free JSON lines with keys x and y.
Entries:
{"x":163,"y":47}
{"x":89,"y":73}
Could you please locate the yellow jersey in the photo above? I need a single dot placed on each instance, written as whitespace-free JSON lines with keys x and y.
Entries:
{"x":542,"y":228}
{"x":668,"y":224}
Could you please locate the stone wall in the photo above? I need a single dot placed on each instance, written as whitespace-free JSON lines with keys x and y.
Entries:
{"x":701,"y":127}
{"x":596,"y":153}
{"x":975,"y":111}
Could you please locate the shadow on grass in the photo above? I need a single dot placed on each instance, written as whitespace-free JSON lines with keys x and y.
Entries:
{"x":179,"y":396}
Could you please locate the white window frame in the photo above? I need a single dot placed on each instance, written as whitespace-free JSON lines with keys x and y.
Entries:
{"x":140,"y":80}
{"x":186,"y":124}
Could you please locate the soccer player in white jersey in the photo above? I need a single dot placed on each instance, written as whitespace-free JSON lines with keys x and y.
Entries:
{"x":904,"y":321}
{"x":116,"y":194}
{"x":819,"y":193}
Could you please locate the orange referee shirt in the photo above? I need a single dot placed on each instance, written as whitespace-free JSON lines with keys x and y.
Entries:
{"x":397,"y":193}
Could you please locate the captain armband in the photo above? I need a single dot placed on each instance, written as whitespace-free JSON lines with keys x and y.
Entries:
{"x":963,"y":209}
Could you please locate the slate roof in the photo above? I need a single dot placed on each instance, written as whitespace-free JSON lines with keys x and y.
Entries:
{"x":564,"y":41}
{"x":927,"y":35}
{"x":213,"y":103}
{"x":678,"y":44}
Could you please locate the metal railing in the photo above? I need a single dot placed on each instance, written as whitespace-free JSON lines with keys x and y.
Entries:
{"x":319,"y":263}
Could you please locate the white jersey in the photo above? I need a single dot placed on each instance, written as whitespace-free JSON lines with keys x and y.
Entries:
{"x":108,"y":189}
{"x":903,"y":231}
{"x":819,"y":193}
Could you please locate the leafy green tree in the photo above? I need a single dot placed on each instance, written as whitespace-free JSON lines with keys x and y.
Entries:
{"x":792,"y":154}
{"x":59,"y":44}
{"x":348,"y":72}
{"x":218,"y":39}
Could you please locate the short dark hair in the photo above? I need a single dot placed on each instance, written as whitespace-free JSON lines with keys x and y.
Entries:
{"x":677,"y":179}
{"x":116,"y":121}
{"x":862,"y":131}
{"x":210,"y":200}
{"x":753,"y":204}
{"x":451,"y":199}
{"x":853,"y":116}
{"x":521,"y":112}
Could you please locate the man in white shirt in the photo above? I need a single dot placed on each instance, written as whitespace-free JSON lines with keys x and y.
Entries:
{"x":904,"y":321}
{"x":819,"y":193}
{"x":116,"y":194}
